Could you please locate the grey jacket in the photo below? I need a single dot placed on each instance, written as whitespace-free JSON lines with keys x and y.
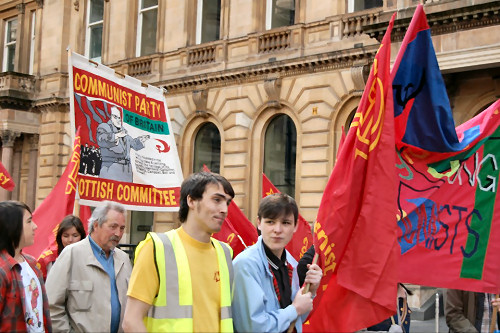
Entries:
{"x":78,"y":289}
{"x":460,"y":309}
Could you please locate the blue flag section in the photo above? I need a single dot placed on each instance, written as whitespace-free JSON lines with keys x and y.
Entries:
{"x":420,"y":98}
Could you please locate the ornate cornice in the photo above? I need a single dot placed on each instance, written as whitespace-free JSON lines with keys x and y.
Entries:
{"x":54,"y":104}
{"x":285,"y":68}
{"x":440,"y":22}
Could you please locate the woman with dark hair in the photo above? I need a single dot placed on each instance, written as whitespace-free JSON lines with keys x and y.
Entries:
{"x":23,"y":301}
{"x":70,"y":231}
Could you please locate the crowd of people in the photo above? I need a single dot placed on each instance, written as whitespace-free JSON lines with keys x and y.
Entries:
{"x":183,"y":280}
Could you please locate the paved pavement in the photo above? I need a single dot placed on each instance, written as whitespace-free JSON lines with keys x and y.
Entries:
{"x":425,"y":326}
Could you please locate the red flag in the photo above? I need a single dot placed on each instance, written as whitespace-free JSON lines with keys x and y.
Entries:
{"x":85,"y":214}
{"x":229,"y":235}
{"x":355,"y":231}
{"x":56,"y":205}
{"x":236,"y":230}
{"x":302,"y":238}
{"x":5,"y":179}
{"x":341,"y":143}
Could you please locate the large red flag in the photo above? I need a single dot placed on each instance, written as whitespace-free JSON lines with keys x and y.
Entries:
{"x":5,"y":179}
{"x":236,"y":230}
{"x":302,"y":238}
{"x":56,"y":205}
{"x":341,"y":142}
{"x":355,"y":231}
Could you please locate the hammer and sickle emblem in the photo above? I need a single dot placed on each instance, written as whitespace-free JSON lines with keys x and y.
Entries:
{"x":369,"y":122}
{"x":163,"y":148}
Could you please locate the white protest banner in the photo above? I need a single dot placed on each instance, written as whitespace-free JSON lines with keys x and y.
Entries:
{"x":128,"y":151}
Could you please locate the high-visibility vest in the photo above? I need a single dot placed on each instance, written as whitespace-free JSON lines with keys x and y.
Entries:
{"x":172,"y":309}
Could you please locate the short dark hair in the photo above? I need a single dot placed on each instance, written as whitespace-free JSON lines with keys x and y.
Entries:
{"x":11,"y":225}
{"x":69,"y":222}
{"x":194,"y":186}
{"x":276,"y":205}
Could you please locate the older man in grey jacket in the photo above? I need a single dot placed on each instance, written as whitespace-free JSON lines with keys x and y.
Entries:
{"x":88,"y":283}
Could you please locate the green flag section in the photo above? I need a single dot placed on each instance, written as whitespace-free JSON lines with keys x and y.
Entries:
{"x":145,"y":124}
{"x":486,"y":194}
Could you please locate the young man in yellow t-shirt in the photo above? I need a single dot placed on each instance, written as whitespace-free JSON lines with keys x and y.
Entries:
{"x":204,"y":201}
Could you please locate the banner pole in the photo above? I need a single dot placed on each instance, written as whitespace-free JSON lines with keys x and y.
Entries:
{"x":494,"y":315}
{"x":305,"y":291}
{"x":436,"y":313}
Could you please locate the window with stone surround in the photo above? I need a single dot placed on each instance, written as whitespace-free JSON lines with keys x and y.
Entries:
{"x":10,"y":38}
{"x":32,"y":41}
{"x":208,"y":21}
{"x":207,"y":148}
{"x":279,"y":13}
{"x":93,"y":38}
{"x":280,"y":147}
{"x":146,"y":27}
{"x":357,"y":5}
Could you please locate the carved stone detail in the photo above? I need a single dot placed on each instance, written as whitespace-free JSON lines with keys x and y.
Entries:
{"x":358,"y":76}
{"x":33,"y":141}
{"x":20,"y":7}
{"x":39,"y":3}
{"x":76,"y":4}
{"x":200,"y":102}
{"x":8,"y":138}
{"x":272,"y":86}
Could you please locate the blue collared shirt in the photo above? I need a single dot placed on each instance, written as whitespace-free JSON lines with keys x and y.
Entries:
{"x":109,"y":266}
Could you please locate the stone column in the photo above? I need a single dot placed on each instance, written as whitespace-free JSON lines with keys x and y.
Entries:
{"x":32,"y":172}
{"x":8,"y":138}
{"x":16,"y":170}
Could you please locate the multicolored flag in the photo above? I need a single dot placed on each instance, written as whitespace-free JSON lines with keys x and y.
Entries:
{"x":59,"y":203}
{"x":302,"y":238}
{"x":448,"y":207}
{"x":5,"y":179}
{"x":237,"y":230}
{"x":355,"y":233}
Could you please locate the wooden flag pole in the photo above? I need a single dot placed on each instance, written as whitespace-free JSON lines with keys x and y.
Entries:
{"x":494,"y":315}
{"x":305,"y":291}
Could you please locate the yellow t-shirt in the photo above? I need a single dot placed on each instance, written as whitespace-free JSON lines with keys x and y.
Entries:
{"x":203,"y":264}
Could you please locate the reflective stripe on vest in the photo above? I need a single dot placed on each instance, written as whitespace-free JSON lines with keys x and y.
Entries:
{"x":173,"y":307}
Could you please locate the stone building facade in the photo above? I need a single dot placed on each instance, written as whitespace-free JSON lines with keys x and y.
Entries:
{"x":251,"y":86}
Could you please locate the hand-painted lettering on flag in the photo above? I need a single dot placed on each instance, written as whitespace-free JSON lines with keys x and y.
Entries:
{"x":326,"y":247}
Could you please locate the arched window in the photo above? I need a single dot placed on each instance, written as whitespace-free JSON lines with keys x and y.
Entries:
{"x":280,"y":149}
{"x":207,"y":148}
